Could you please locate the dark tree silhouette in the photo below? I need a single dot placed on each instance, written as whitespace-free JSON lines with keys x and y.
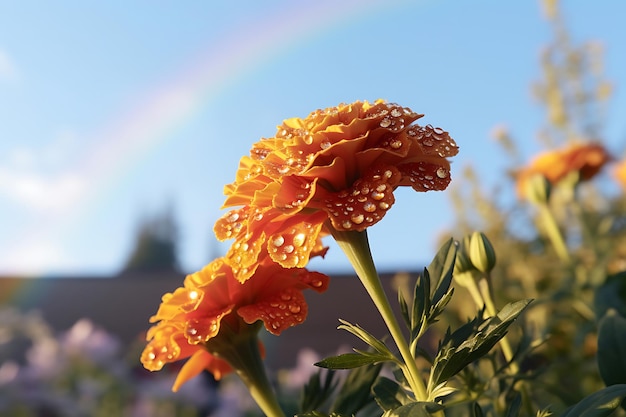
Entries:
{"x":155,"y":247}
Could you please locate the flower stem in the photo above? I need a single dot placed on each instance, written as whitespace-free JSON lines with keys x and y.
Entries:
{"x":356,"y":247}
{"x":554,"y":234}
{"x":241,"y":351}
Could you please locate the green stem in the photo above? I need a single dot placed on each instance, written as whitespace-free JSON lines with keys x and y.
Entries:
{"x":356,"y":247}
{"x":554,"y":233}
{"x":241,"y":351}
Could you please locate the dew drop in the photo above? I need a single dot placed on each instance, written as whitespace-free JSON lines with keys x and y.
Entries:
{"x":283,"y":169}
{"x":357,"y":218}
{"x":233,"y":217}
{"x":294,"y":308}
{"x":347,"y":224}
{"x":369,"y":207}
{"x":278,"y":241}
{"x":285,"y":297}
{"x":377,"y":196}
{"x":316,"y":283}
{"x":151,"y":356}
{"x":386,"y":122}
{"x":442,"y":173}
{"x":258,"y":216}
{"x":383,"y":205}
{"x":396,"y":113}
{"x":325,"y":144}
{"x":395,"y":144}
{"x":288,"y":249}
{"x":381,"y":188}
{"x":299,"y":239}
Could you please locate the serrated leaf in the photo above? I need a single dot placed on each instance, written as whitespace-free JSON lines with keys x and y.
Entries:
{"x":356,"y":391}
{"x":612,"y":348}
{"x":389,"y":394}
{"x":472,"y":341}
{"x":441,"y":268}
{"x":416,"y":409}
{"x":404,"y":309}
{"x":598,"y":404}
{"x":348,"y":361}
{"x":421,"y":301}
{"x":368,"y":338}
{"x":317,"y":390}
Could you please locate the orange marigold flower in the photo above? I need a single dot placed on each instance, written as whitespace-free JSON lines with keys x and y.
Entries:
{"x":212,"y":304}
{"x":586,"y":159}
{"x":619,"y":173}
{"x":340,"y":165}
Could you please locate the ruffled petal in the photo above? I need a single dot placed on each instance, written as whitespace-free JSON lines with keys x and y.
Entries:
{"x":366,"y":202}
{"x":198,"y":362}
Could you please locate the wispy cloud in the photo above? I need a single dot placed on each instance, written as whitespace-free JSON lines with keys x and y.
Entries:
{"x":8,"y":68}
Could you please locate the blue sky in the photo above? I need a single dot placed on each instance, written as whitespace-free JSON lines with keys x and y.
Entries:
{"x":111,"y":111}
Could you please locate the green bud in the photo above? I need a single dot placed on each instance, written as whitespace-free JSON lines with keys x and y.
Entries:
{"x":537,"y":189}
{"x":481,"y":253}
{"x":464,"y":270}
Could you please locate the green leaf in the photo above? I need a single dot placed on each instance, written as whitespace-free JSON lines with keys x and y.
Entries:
{"x":515,"y":406}
{"x":612,"y":348}
{"x":362,"y":334}
{"x":441,"y":268}
{"x":416,"y":409}
{"x":598,"y":404}
{"x":421,"y":302}
{"x":317,"y":391}
{"x":349,"y":361}
{"x":404,"y":309}
{"x":611,"y":295}
{"x":389,"y":394}
{"x":472,"y":341}
{"x":356,"y":391}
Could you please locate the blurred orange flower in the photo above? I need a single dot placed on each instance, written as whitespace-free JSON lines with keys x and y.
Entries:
{"x":212,"y":305}
{"x":619,"y":173}
{"x":587,"y":159}
{"x":340,"y":165}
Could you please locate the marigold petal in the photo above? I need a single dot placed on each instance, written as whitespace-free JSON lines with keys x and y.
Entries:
{"x":162,"y":348}
{"x":292,"y":246}
{"x":433,"y":140}
{"x":231,"y":224}
{"x":207,"y":325}
{"x":243,"y":256}
{"x":425,"y":175}
{"x":366,"y":202}
{"x":198,"y":362}
{"x":278,"y":312}
{"x":294,"y":194}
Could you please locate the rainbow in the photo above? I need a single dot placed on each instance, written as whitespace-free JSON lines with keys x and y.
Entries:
{"x":158,"y":112}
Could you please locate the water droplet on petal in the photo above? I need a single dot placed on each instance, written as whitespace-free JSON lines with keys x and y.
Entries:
{"x":377,"y":196}
{"x":442,"y":173}
{"x":325,"y":144}
{"x":278,"y":241}
{"x":369,"y":207}
{"x":347,"y":224}
{"x":288,"y":249}
{"x":396,"y":113}
{"x":294,"y":308}
{"x":299,"y":239}
{"x":357,"y":218}
{"x":386,"y":122}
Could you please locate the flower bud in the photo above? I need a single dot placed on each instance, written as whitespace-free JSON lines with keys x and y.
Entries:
{"x":481,"y":252}
{"x":537,"y":189}
{"x":464,"y":270}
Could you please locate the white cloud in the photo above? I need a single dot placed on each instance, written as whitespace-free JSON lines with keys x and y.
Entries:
{"x":8,"y":69}
{"x":35,"y":258}
{"x":37,"y":192}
